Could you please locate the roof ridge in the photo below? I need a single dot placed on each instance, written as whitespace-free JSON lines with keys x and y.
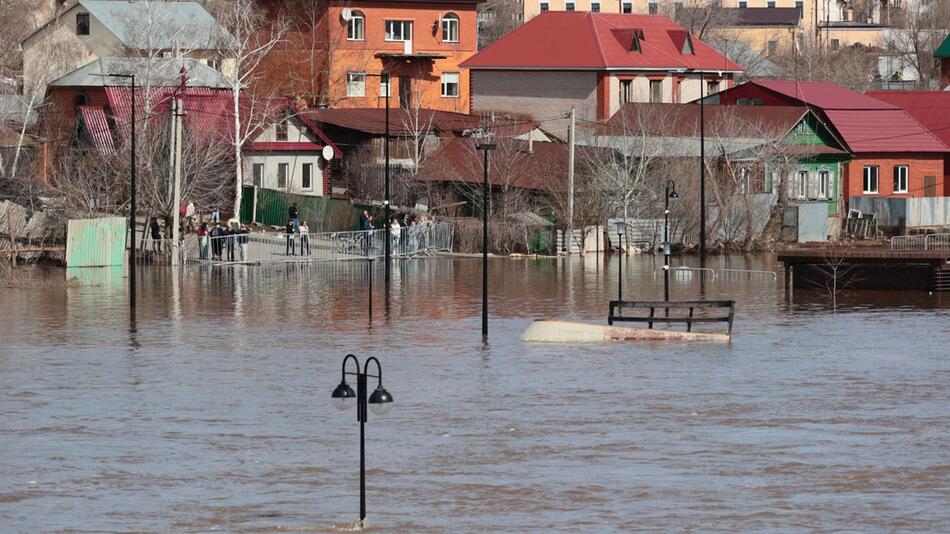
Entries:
{"x":600,"y":47}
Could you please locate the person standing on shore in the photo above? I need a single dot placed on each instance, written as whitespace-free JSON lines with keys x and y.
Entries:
{"x":156,"y":235}
{"x":304,"y":238}
{"x":291,"y":247}
{"x":294,"y":216}
{"x":242,"y":239}
{"x":203,"y":241}
{"x":217,"y":241}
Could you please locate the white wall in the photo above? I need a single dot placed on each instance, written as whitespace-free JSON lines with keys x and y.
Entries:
{"x":295,"y":162}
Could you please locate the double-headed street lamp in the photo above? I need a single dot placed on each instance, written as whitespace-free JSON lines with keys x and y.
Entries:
{"x":620,"y":224}
{"x":380,"y":402}
{"x":670,"y":193}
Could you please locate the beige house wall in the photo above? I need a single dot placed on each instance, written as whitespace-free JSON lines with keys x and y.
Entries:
{"x":539,"y":95}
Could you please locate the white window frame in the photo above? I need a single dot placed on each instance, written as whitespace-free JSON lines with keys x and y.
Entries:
{"x":824,"y":183}
{"x":800,"y":128}
{"x":355,"y":84}
{"x":450,"y":28}
{"x":446,"y":84}
{"x":285,"y":167}
{"x":898,"y":178}
{"x":802,"y":183}
{"x":356,"y":27}
{"x":385,"y":85}
{"x":866,"y":182}
{"x":306,"y":174}
{"x":390,"y":32}
{"x":257,"y":174}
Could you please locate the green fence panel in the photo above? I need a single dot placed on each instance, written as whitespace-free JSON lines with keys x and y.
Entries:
{"x":96,"y":242}
{"x":322,"y":214}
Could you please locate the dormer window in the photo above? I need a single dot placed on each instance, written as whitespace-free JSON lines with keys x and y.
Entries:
{"x":82,"y":23}
{"x":688,"y":45}
{"x":635,"y":38}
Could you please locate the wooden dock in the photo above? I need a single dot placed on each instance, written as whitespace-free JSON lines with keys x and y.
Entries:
{"x":867,"y":268}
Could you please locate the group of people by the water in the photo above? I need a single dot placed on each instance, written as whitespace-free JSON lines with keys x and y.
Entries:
{"x":218,"y":242}
{"x":296,"y":233}
{"x":406,"y":230}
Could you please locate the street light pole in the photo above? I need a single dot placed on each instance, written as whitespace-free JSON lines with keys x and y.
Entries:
{"x":485,"y":147}
{"x":670,"y":193}
{"x":133,"y":212}
{"x":702,"y":172}
{"x":389,"y":89}
{"x":620,"y":228}
{"x":380,"y":402}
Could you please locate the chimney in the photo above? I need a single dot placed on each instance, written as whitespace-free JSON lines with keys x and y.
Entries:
{"x":531,"y":142}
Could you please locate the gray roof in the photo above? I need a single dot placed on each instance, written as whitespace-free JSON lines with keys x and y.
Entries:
{"x":157,"y":72}
{"x":156,"y":25}
{"x":755,"y":64}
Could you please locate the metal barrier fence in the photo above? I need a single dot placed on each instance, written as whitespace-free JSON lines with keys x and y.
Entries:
{"x":746,"y":274}
{"x":159,"y":251}
{"x":326,"y":246}
{"x":689,"y":274}
{"x":921,"y":242}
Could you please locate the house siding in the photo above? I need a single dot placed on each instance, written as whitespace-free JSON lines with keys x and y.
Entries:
{"x":919,"y":166}
{"x":538,"y":94}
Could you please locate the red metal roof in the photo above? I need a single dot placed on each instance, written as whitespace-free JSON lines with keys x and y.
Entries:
{"x":598,"y":41}
{"x":883,"y":130}
{"x":404,"y":122}
{"x":930,"y":108}
{"x":97,"y":125}
{"x":823,"y":95}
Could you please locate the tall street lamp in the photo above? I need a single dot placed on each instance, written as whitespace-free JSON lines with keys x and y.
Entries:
{"x":620,"y":224}
{"x":132,"y":208}
{"x":702,"y":171}
{"x":380,"y":402}
{"x":670,"y":193}
{"x":384,"y":76}
{"x":485,"y":147}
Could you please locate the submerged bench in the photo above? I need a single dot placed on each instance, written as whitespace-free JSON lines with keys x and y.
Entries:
{"x":617,"y":306}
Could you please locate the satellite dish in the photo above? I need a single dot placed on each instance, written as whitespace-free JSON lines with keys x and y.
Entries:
{"x":327,"y":152}
{"x":346,"y":14}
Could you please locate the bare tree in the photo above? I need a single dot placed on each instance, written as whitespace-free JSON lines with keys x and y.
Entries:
{"x":497,"y":18}
{"x":251,"y":37}
{"x":920,"y":31}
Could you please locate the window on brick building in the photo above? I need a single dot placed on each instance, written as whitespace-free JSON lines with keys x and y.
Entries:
{"x":450,"y":28}
{"x":544,"y":6}
{"x":627,"y":7}
{"x":595,"y":7}
{"x":900,"y":178}
{"x":356,"y":27}
{"x":871,"y":173}
{"x":398,"y":30}
{"x":743,"y":4}
{"x":356,"y":84}
{"x":450,"y":84}
{"x":306,"y":176}
{"x":82,"y":23}
{"x":569,"y":6}
{"x":770,"y":3}
{"x":656,"y":91}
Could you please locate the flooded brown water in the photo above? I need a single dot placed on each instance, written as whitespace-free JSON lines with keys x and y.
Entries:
{"x":212,"y":412}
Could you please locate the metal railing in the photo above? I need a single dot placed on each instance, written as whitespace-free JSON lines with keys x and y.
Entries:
{"x":159,"y":251}
{"x":921,"y":242}
{"x":746,"y":274}
{"x":686,"y":274}
{"x":405,"y":242}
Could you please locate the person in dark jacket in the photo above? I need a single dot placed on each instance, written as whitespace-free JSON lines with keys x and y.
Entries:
{"x":156,"y":235}
{"x":218,"y":235}
{"x":291,"y":246}
{"x":229,"y":242}
{"x":294,"y":216}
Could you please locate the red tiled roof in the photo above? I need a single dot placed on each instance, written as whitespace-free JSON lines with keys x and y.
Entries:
{"x":598,"y":41}
{"x":883,"y":130}
{"x":682,"y":120}
{"x":511,"y":165}
{"x":823,"y":95}
{"x":930,"y":108}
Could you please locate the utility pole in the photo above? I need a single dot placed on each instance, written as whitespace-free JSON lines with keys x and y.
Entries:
{"x":572,"y":134}
{"x":176,"y":203}
{"x":702,"y":172}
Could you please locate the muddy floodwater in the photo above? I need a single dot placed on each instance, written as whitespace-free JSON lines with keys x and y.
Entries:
{"x":212,"y":412}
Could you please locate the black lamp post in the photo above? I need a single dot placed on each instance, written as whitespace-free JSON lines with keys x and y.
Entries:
{"x":385,"y":76}
{"x":132,"y":204}
{"x":380,"y":402}
{"x":485,"y":147}
{"x":670,"y":193}
{"x":702,"y":171}
{"x":620,"y":228}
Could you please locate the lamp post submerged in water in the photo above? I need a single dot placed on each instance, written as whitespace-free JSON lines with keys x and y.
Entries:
{"x":380,"y":402}
{"x":485,"y":144}
{"x":670,"y":193}
{"x":620,"y":228}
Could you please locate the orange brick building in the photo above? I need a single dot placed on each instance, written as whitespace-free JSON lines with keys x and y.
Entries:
{"x":335,"y":51}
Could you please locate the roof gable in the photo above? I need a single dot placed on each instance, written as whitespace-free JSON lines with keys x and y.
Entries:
{"x":822,"y":95}
{"x":943,"y":51}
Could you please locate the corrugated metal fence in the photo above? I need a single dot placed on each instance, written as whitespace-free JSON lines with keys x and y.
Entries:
{"x":322,"y":214}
